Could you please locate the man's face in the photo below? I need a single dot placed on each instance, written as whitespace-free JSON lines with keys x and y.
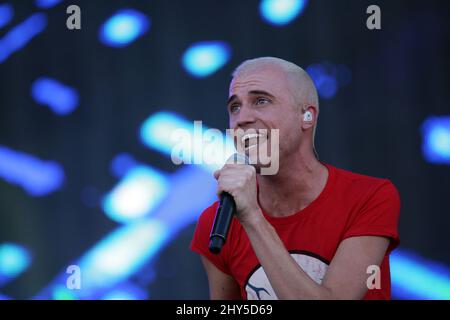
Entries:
{"x":261,"y":99}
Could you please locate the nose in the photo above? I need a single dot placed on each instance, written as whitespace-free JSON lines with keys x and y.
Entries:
{"x":243,"y":118}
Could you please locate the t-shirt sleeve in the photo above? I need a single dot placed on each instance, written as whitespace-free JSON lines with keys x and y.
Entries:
{"x":200,"y":240}
{"x":378,"y":215}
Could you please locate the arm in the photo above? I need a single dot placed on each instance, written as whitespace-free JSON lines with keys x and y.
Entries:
{"x":346,"y":276}
{"x":221,"y":285}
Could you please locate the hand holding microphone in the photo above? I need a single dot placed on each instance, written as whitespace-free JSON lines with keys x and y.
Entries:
{"x":238,"y":196}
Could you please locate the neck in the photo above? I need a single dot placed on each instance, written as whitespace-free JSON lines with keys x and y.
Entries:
{"x":299,"y":181}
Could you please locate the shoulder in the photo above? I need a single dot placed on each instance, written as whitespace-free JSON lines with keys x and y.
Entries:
{"x":208,"y":214}
{"x":374,"y":206}
{"x":364,"y":185}
{"x":206,"y":218}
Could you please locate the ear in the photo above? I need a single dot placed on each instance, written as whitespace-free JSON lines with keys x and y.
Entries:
{"x":309,"y":116}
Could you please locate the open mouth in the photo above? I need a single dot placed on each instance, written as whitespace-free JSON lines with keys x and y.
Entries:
{"x":251,"y":140}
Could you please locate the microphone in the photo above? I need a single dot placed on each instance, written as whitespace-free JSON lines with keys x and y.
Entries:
{"x":225,"y":212}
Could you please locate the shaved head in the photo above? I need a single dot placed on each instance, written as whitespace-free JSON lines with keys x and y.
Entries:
{"x":302,"y":87}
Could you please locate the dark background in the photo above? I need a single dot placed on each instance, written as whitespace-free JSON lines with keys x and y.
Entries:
{"x":400,"y":76}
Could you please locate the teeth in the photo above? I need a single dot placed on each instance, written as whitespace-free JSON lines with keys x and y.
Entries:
{"x":250,"y":137}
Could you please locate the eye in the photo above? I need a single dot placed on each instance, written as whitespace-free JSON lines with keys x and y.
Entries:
{"x":262,"y":101}
{"x":234,"y":108}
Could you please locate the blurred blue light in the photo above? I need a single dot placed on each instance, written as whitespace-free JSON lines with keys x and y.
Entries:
{"x":136,"y":195}
{"x":328,"y":78}
{"x":130,"y":248}
{"x":37,"y":177}
{"x":328,"y":87}
{"x":436,"y":140}
{"x":45,"y":4}
{"x":126,"y":291}
{"x":158,"y":132}
{"x":61,"y":292}
{"x":14,"y":259}
{"x":182,"y":208}
{"x":124,"y":27}
{"x":60,"y":98}
{"x":120,"y":295}
{"x":4,"y":297}
{"x":416,"y":278}
{"x":6,"y":14}
{"x":204,"y":58}
{"x":122,"y":253}
{"x":326,"y":84}
{"x":121,"y":164}
{"x":281,"y":12}
{"x":21,"y":34}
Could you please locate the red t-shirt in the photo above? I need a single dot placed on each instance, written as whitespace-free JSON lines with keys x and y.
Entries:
{"x":350,"y":205}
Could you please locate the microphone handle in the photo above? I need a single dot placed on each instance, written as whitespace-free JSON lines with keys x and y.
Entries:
{"x":222,"y":222}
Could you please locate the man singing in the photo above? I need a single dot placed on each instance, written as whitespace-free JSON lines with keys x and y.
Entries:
{"x":310,"y":231}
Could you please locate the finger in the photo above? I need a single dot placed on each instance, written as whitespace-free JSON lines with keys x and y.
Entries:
{"x":230,"y":184}
{"x":221,"y":189}
{"x":224,"y":187}
{"x":234,"y":165}
{"x":236,"y":172}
